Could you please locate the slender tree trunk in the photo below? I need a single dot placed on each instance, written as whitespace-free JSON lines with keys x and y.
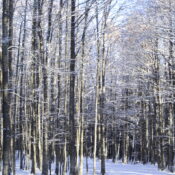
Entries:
{"x":73,"y":155}
{"x":7,"y":38}
{"x":35,"y":83}
{"x":81,"y":93}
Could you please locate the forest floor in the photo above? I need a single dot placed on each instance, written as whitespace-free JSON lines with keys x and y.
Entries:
{"x":111,"y":169}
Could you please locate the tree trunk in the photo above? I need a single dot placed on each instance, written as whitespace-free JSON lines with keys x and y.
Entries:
{"x":73,"y":155}
{"x":7,"y":38}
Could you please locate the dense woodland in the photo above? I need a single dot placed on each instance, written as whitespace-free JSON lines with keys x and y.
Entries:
{"x":86,"y":79}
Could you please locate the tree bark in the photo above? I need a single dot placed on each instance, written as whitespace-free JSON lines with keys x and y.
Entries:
{"x":7,"y":38}
{"x":73,"y":155}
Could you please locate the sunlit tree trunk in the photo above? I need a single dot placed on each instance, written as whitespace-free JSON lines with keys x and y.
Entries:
{"x":96,"y":90}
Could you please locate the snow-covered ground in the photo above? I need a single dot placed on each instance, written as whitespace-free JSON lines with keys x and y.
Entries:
{"x":128,"y":169}
{"x":114,"y":169}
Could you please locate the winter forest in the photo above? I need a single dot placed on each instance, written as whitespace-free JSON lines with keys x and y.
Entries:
{"x":85,"y":82}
